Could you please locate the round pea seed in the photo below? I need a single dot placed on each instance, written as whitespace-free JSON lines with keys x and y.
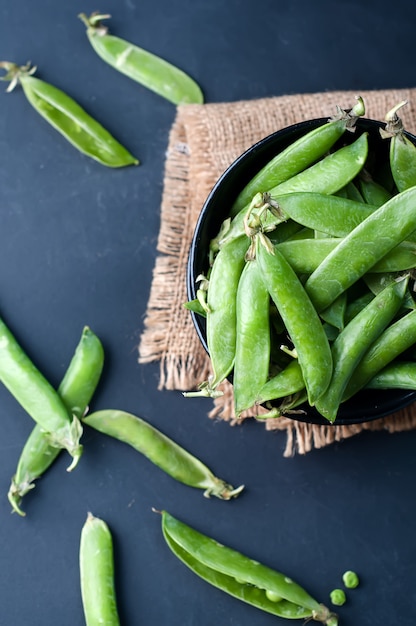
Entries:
{"x":338,"y":597}
{"x":272,"y":596}
{"x":350,"y":579}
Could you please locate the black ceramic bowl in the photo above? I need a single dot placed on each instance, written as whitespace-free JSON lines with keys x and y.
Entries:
{"x":367,"y":404}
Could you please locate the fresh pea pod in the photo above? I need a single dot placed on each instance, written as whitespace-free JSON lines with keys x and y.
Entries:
{"x":397,"y":375}
{"x":301,"y":320}
{"x":306,"y":255}
{"x":299,"y":155}
{"x":160,"y":450}
{"x":221,"y":312}
{"x":37,"y":396}
{"x":240,"y":576}
{"x":402,"y":150}
{"x":326,"y":176}
{"x":353,"y":342}
{"x":68,"y":118}
{"x":140,"y":65}
{"x":252,"y":353}
{"x":332,"y":215}
{"x":362,"y":248}
{"x":372,"y":192}
{"x":287,"y":382}
{"x":76,"y":390}
{"x":391,"y":344}
{"x":96,"y":566}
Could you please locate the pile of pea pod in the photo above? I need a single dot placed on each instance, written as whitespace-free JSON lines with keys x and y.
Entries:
{"x":309,"y":295}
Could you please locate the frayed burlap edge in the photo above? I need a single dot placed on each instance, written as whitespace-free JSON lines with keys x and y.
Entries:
{"x":203,"y":141}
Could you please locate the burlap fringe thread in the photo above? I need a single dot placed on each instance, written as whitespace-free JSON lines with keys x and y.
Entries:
{"x":203,"y":142}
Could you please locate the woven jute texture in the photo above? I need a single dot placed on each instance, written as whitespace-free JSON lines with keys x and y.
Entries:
{"x":204,"y":140}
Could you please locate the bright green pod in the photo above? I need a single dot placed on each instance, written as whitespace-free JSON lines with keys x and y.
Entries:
{"x":397,"y":375}
{"x":140,"y":65}
{"x":354,"y":341}
{"x":240,"y":576}
{"x":287,"y":382}
{"x":402,"y":151}
{"x":96,"y":566}
{"x":161,"y":451}
{"x":301,"y":320}
{"x":252,"y":352}
{"x":299,"y":155}
{"x":69,"y":118}
{"x":362,"y":248}
{"x":76,"y":390}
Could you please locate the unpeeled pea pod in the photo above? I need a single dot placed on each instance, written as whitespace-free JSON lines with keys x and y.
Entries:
{"x":397,"y":375}
{"x":402,"y":151}
{"x":161,"y":450}
{"x":140,"y":65}
{"x":37,"y":396}
{"x":286,"y":383}
{"x":362,"y":248}
{"x":326,"y":176}
{"x":353,"y":342}
{"x":300,"y":318}
{"x":76,"y":390}
{"x":306,"y":255}
{"x":397,"y":338}
{"x":252,"y":352}
{"x":240,"y":576}
{"x":299,"y":155}
{"x":68,"y":118}
{"x":96,"y":566}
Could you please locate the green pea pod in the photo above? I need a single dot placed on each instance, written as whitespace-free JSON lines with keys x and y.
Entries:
{"x":402,"y":151}
{"x":332,"y":215}
{"x":240,"y":576}
{"x":144,"y":67}
{"x":391,"y":344}
{"x":326,"y":177}
{"x":362,"y":248}
{"x":306,"y":255}
{"x":397,"y":375}
{"x":96,"y":566}
{"x":160,"y":450}
{"x":76,"y":390}
{"x":299,"y":155}
{"x":221,"y":312}
{"x":69,"y":118}
{"x":252,"y":352}
{"x":353,"y":342}
{"x":37,"y":396}
{"x":372,"y":192}
{"x":301,"y":320}
{"x":335,"y":313}
{"x":286,"y":383}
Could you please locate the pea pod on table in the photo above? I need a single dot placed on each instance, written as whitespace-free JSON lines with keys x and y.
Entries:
{"x":161,"y":450}
{"x":76,"y":390}
{"x":37,"y":396}
{"x":68,"y":117}
{"x":96,"y":566}
{"x":240,"y":576}
{"x":140,"y":65}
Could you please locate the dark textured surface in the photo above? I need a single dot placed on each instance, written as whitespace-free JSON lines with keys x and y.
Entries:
{"x":77,"y":246}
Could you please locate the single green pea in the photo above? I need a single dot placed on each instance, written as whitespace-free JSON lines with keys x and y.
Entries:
{"x":338,"y":597}
{"x":350,"y":579}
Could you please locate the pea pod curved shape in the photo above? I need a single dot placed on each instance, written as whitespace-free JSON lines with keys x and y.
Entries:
{"x":70,"y":119}
{"x":240,"y":576}
{"x":140,"y":65}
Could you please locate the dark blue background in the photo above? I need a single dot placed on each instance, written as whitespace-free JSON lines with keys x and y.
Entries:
{"x":77,"y":246}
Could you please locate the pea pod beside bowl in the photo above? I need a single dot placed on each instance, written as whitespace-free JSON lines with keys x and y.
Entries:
{"x":371,"y":183}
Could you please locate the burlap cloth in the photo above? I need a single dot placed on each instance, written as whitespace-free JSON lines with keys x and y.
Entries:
{"x":204,"y":140}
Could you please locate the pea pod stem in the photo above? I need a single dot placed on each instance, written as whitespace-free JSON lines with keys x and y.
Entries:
{"x":140,"y":65}
{"x":96,"y":565}
{"x":68,"y":117}
{"x":161,"y":450}
{"x":37,"y":396}
{"x":240,"y":576}
{"x":76,"y":390}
